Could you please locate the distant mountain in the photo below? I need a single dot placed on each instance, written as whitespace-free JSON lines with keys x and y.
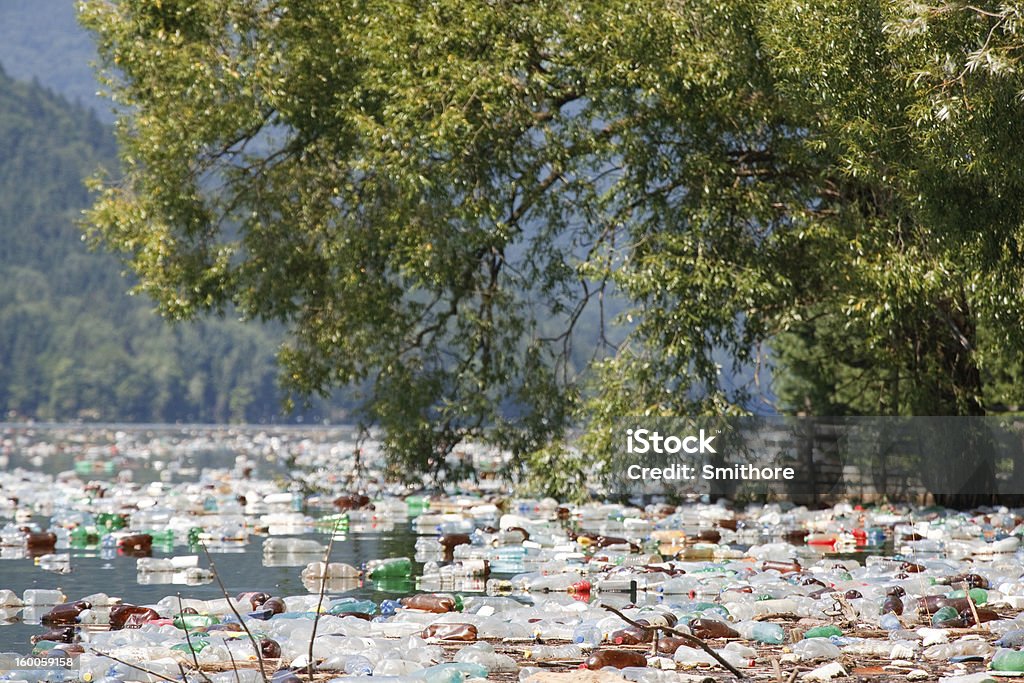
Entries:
{"x":42,"y":40}
{"x":73,"y":344}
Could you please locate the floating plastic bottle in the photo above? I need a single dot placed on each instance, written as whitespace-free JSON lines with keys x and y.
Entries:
{"x":391,"y":568}
{"x":42,"y":596}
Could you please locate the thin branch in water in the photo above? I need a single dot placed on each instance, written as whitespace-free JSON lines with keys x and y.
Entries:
{"x":188,"y":639}
{"x":319,"y":604}
{"x":231,"y":604}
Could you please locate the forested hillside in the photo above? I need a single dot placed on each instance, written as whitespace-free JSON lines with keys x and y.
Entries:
{"x":42,"y":40}
{"x":73,"y":344}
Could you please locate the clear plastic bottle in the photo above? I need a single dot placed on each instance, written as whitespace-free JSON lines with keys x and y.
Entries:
{"x":548,"y":653}
{"x":42,"y":596}
{"x":587,"y":634}
{"x":357,"y":665}
{"x":816,"y":648}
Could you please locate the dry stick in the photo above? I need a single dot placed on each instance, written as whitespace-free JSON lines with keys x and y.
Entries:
{"x":970,"y":601}
{"x":319,"y":604}
{"x":231,"y":604}
{"x":133,"y":666}
{"x":234,"y":666}
{"x":792,"y":676}
{"x":685,"y":636}
{"x":188,"y":639}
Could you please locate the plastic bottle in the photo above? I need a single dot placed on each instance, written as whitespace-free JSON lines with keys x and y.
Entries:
{"x":550,"y":653}
{"x":630,"y":635}
{"x":762,"y":632}
{"x":483,"y":653}
{"x":450,"y":631}
{"x":42,"y":596}
{"x":295,"y":546}
{"x":946,"y":617}
{"x":823,"y":632}
{"x":357,"y":665}
{"x":122,"y":616}
{"x":54,"y":562}
{"x":394,"y":567}
{"x":619,"y":659}
{"x":890,"y":622}
{"x":438,"y":603}
{"x":1007,"y":660}
{"x":712,"y":628}
{"x":816,"y":648}
{"x":958,"y":648}
{"x":587,"y":634}
{"x":191,"y":622}
{"x":9,"y":599}
{"x":65,"y":614}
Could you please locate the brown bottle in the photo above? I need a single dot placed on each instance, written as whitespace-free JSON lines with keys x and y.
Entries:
{"x":130,"y":616}
{"x":351,"y":501}
{"x":254,"y":598}
{"x":450,"y":541}
{"x":276,"y":605}
{"x":730,"y":524}
{"x":796,"y":536}
{"x":669,"y":644}
{"x":41,"y":540}
{"x":984,"y":614}
{"x":57,"y":635}
{"x":438,"y":603}
{"x":605,"y":541}
{"x":972,"y":580}
{"x":136,"y":543}
{"x":712,"y":628}
{"x":270,"y":649}
{"x":619,"y":659}
{"x":911,"y":568}
{"x":708,"y":536}
{"x":781,"y":567}
{"x":463,"y":632}
{"x":65,"y":614}
{"x":853,"y":594}
{"x":893,"y":604}
{"x":930,"y":604}
{"x":630,"y":635}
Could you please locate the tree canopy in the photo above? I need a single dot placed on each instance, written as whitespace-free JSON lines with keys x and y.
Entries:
{"x":429,"y":194}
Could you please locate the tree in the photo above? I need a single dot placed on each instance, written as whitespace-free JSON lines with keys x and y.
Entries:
{"x":414,"y":188}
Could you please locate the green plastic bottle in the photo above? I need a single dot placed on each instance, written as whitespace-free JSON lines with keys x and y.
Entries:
{"x":945,"y":617}
{"x":416,"y":505}
{"x":190,"y":622}
{"x":165,"y":537}
{"x":390,"y":568}
{"x":1007,"y":660}
{"x":978,"y":595}
{"x":823,"y":632}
